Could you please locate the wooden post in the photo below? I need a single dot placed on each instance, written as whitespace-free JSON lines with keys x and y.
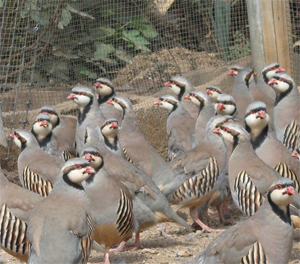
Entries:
{"x":269,"y":32}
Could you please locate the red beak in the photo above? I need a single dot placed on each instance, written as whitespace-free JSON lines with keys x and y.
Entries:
{"x":208,"y":92}
{"x":44,"y":123}
{"x":114,"y":125}
{"x":280,"y":69}
{"x":12,"y":136}
{"x":295,"y":154}
{"x":89,"y":170}
{"x":97,"y":85}
{"x":261,"y":114}
{"x":158,"y":102}
{"x":110,"y":101}
{"x":167,"y":84}
{"x":272,"y":81}
{"x":217,"y":131}
{"x":88,"y":157}
{"x":188,"y":97}
{"x":220,"y":106}
{"x":290,"y":190}
{"x":231,"y":73}
{"x":71,"y":96}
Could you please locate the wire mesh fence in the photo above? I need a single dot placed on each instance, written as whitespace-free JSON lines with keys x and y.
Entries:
{"x":49,"y":46}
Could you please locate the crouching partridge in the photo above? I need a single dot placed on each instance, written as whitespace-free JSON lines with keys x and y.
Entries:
{"x":265,"y":237}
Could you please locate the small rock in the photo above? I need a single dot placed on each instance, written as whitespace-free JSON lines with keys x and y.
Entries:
{"x":183,"y":253}
{"x":296,"y":246}
{"x":150,"y":251}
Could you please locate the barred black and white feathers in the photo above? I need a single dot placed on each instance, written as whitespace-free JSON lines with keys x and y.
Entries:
{"x":265,"y":237}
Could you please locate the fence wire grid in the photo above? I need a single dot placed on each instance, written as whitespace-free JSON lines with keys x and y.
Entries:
{"x":47,"y":47}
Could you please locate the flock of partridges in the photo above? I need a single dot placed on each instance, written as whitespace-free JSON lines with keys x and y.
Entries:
{"x":93,"y":182}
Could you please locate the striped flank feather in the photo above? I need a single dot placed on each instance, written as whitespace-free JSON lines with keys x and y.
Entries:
{"x":249,"y":198}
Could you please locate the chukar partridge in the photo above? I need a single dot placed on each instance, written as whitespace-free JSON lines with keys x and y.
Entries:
{"x":181,"y":86}
{"x":265,"y":237}
{"x":89,"y":113}
{"x":234,"y":70}
{"x":60,"y":228}
{"x":37,"y":169}
{"x":111,"y":208}
{"x":249,"y":177}
{"x":225,"y":105}
{"x":64,"y":127}
{"x":240,"y":90}
{"x":213,"y":92}
{"x":180,"y":126}
{"x":150,"y":206}
{"x":267,"y":74}
{"x":42,"y":129}
{"x":135,"y":146}
{"x":267,"y":146}
{"x":205,"y":112}
{"x":286,"y":110}
{"x":16,"y":204}
{"x":188,"y":181}
{"x":106,"y":90}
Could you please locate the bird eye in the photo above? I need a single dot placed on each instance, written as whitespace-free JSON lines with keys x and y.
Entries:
{"x":80,"y":93}
{"x":77,"y":166}
{"x":174,"y":82}
{"x":214,"y":89}
{"x":281,"y":79}
{"x":39,"y":120}
{"x":96,"y":154}
{"x":52,"y":112}
{"x":106,"y":123}
{"x":273,"y":68}
{"x":225,"y":129}
{"x":252,"y":112}
{"x":17,"y":135}
{"x":228,"y":102}
{"x":278,"y":186}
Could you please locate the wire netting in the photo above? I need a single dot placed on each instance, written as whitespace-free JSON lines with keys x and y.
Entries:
{"x":47,"y":47}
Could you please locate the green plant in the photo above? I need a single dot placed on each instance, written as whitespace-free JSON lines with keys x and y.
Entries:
{"x":89,"y":37}
{"x":240,"y":48}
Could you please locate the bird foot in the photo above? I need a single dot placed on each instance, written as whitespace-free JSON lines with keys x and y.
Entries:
{"x":118,"y":249}
{"x":135,"y":247}
{"x":164,"y":234}
{"x":210,"y":230}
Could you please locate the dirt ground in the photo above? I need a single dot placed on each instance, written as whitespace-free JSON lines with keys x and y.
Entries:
{"x":180,"y":248}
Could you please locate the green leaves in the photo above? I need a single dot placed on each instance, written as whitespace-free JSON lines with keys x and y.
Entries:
{"x":102,"y":50}
{"x":65,"y":18}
